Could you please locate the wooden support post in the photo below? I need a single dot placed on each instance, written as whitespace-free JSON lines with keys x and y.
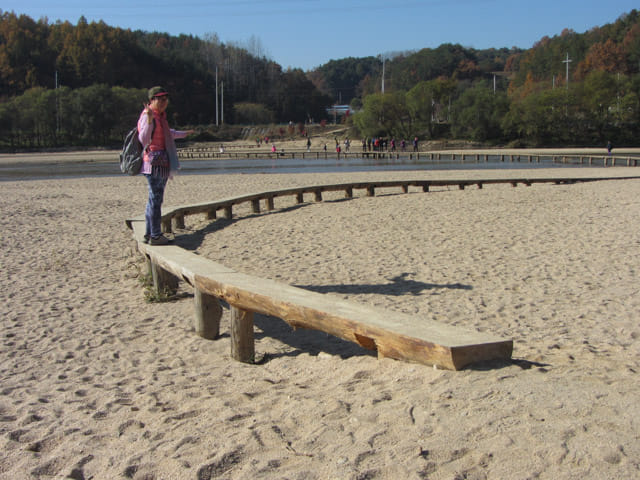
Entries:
{"x":371,"y":191}
{"x":255,"y":205}
{"x":212,"y":214}
{"x":299,"y":198}
{"x":165,"y":224}
{"x":163,"y":281}
{"x":479,"y":185}
{"x":425,"y":187}
{"x":149,"y":266}
{"x":405,"y":188}
{"x":270,"y":204}
{"x":317,"y":195}
{"x":178,"y":221}
{"x":228,"y":212}
{"x":461,"y":186}
{"x":242,"y":346}
{"x":348,"y":192}
{"x":207,"y":315}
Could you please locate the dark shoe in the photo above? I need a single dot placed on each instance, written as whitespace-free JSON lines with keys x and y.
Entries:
{"x":161,"y":240}
{"x":145,"y":239}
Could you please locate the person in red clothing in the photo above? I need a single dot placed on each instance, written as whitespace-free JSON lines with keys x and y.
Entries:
{"x":160,"y":160}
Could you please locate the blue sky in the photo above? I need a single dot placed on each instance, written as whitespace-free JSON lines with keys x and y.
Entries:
{"x":308,"y":33}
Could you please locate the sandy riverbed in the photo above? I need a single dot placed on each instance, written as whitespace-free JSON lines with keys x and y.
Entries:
{"x":97,"y":383}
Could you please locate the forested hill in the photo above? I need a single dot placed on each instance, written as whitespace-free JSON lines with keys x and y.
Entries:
{"x":613,"y":48}
{"x":101,"y":73}
{"x":37,"y":54}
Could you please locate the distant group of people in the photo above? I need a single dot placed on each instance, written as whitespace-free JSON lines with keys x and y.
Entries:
{"x":382,"y":144}
{"x":369,"y":144}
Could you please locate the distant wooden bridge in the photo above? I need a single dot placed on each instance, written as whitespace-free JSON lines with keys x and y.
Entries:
{"x":211,"y":153}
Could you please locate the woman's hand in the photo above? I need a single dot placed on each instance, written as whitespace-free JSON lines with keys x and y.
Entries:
{"x":147,"y":109}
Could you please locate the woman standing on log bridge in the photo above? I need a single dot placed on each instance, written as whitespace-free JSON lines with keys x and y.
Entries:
{"x":160,"y":160}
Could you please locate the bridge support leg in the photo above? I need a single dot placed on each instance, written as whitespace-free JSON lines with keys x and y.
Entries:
{"x":178,"y":222}
{"x":242,"y":346}
{"x":207,"y":315}
{"x":163,"y":281}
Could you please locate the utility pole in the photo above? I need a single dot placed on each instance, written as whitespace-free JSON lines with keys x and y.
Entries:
{"x":57,"y":107}
{"x":383,"y":60}
{"x":216,"y":95}
{"x":567,"y":61}
{"x":222,"y":101}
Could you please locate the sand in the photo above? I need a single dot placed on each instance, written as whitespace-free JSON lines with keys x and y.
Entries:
{"x":96,"y":383}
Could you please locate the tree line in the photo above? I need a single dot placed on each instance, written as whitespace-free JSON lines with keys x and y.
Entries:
{"x":572,"y":89}
{"x":84,"y":84}
{"x":98,"y":70}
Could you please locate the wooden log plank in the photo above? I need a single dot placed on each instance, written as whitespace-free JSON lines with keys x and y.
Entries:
{"x":210,"y":208}
{"x":393,"y":334}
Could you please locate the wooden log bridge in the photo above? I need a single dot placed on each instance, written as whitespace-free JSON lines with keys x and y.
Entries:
{"x":391,"y":334}
{"x":212,"y":153}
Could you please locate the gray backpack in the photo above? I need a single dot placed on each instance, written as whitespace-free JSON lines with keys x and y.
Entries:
{"x":132,"y":152}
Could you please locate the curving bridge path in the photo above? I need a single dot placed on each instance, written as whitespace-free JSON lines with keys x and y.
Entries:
{"x":391,"y":334}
